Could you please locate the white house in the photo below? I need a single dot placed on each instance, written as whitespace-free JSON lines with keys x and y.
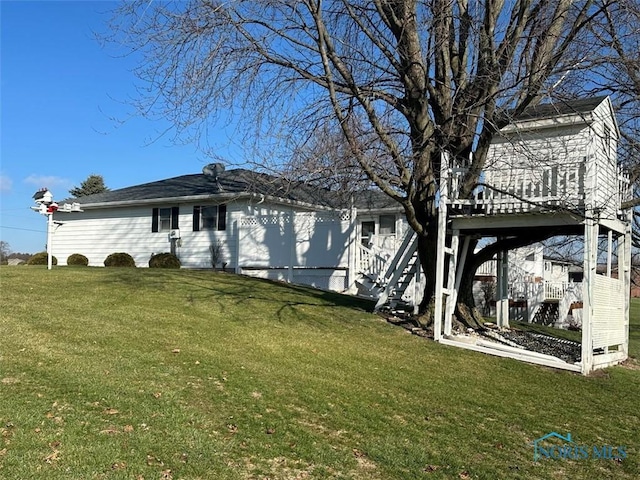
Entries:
{"x":252,"y":223}
{"x":541,"y":289}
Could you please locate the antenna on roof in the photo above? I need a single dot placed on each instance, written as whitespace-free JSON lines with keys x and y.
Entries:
{"x":213,"y":170}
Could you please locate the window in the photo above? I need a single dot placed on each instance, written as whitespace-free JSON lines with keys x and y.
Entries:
{"x":209,"y":217}
{"x":531,"y":257}
{"x":607,"y":140}
{"x":387,"y":224}
{"x":367,"y":229}
{"x":164,"y":219}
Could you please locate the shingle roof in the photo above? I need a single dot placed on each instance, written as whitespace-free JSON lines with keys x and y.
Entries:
{"x":559,"y":108}
{"x":236,"y":182}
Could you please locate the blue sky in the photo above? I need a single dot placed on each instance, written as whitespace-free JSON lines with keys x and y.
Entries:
{"x":60,"y":93}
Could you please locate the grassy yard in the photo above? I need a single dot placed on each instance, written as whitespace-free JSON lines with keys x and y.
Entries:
{"x":150,"y":374}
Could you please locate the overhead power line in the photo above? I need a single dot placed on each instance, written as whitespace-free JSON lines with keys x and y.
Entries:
{"x":25,"y":229}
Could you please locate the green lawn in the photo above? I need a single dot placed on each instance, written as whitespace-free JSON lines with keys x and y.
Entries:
{"x":151,"y":374}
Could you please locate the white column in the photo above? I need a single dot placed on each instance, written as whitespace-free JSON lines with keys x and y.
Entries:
{"x":589,"y":267}
{"x":502,"y":302}
{"x":353,"y":248}
{"x":449,"y":307}
{"x":440,"y":246}
{"x":49,"y":240}
{"x":624,"y":274}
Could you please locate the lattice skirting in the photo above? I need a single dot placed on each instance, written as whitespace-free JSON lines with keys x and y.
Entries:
{"x":333,"y":279}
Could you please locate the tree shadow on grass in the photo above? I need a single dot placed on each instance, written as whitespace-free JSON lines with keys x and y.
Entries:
{"x":224,"y":289}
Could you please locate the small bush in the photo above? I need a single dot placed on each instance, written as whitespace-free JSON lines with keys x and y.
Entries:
{"x":77,"y":259}
{"x":119,"y":259}
{"x":164,"y":260}
{"x":41,"y":258}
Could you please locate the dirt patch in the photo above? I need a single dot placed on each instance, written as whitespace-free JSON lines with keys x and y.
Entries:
{"x":631,"y":364}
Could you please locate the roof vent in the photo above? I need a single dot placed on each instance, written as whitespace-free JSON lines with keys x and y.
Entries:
{"x":213,"y":169}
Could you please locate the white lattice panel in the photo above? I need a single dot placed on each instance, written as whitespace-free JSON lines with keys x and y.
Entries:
{"x":608,"y":322}
{"x":314,"y":239}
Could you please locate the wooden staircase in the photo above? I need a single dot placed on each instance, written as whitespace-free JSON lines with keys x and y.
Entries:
{"x":402,"y":270}
{"x":547,"y":313}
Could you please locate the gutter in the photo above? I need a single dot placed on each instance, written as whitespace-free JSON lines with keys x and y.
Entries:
{"x":195,"y":198}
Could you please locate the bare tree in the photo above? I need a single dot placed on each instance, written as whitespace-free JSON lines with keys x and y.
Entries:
{"x":402,"y":81}
{"x":325,"y":160}
{"x":622,"y":35}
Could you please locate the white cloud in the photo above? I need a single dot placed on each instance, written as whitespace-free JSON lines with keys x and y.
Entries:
{"x":48,"y":181}
{"x":5,"y":183}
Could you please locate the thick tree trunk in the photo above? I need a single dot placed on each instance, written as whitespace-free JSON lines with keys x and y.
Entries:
{"x":466,"y":312}
{"x":427,"y":250}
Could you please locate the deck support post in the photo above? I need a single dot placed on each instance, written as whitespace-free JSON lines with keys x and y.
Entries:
{"x":624,"y":274}
{"x":451,"y":292}
{"x":440,"y":246}
{"x":502,"y":303}
{"x":589,"y":267}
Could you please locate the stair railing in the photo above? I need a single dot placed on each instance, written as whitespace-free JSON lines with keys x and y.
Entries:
{"x":371,"y":263}
{"x":554,"y":290}
{"x":535,"y":297}
{"x":396,"y":267}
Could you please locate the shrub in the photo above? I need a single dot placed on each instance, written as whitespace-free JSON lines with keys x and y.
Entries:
{"x":41,"y":258}
{"x":77,"y":259}
{"x":119,"y":259}
{"x":164,"y":260}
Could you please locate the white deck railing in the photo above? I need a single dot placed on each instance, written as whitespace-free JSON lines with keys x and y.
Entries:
{"x":625,"y":191}
{"x":569,"y":184}
{"x":551,"y":290}
{"x":554,"y":290}
{"x":566,"y":293}
{"x":513,"y":188}
{"x":523,"y":290}
{"x":372,"y":262}
{"x":487,"y":269}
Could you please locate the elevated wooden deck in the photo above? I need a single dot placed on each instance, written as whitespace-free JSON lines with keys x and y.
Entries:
{"x":569,"y":195}
{"x":554,"y":195}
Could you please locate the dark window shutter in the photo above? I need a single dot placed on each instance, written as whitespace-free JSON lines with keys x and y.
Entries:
{"x":174,"y":217}
{"x":196,"y":218}
{"x":154,"y":219}
{"x":222,"y":217}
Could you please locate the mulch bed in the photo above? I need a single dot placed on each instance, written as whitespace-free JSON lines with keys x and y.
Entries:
{"x":566,"y":350}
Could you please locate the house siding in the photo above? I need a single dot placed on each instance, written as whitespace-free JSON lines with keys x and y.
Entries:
{"x":264,"y":240}
{"x":96,"y":233}
{"x":604,"y":144}
{"x":551,"y":154}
